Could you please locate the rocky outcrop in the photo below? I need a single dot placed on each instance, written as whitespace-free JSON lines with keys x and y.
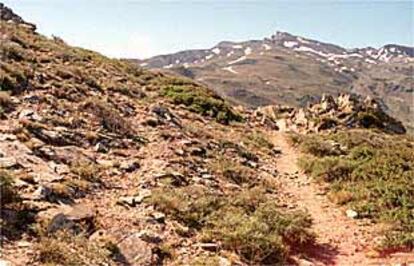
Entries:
{"x":343,"y":112}
{"x":8,"y":15}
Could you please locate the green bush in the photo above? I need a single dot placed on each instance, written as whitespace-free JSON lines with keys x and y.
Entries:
{"x":248,"y":222}
{"x":374,"y":176}
{"x":202,"y":101}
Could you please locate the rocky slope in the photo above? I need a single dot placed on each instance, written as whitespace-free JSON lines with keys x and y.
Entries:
{"x":288,"y":69}
{"x":105,"y":163}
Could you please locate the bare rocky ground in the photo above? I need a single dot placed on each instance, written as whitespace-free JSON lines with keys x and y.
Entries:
{"x":103,"y":163}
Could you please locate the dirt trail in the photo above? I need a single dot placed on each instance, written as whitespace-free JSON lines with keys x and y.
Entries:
{"x":340,"y":240}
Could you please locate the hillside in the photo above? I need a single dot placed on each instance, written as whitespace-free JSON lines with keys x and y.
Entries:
{"x":289,"y":69}
{"x":103,"y":162}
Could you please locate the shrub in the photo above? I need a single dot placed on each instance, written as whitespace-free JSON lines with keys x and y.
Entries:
{"x":86,"y":170}
{"x":233,"y":171}
{"x":201,"y":100}
{"x":190,"y":205}
{"x":248,"y":222}
{"x":262,"y":237}
{"x":109,"y":117}
{"x":64,"y":248}
{"x":7,"y":193}
{"x":374,"y":175}
{"x":259,"y":141}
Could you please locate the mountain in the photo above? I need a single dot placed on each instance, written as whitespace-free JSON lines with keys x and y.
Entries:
{"x":103,"y":162}
{"x":288,"y":69}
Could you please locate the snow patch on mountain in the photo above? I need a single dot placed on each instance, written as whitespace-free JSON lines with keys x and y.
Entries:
{"x":247,"y":51}
{"x":230,"y":69}
{"x":237,"y":60}
{"x":290,"y":44}
{"x":216,"y":51}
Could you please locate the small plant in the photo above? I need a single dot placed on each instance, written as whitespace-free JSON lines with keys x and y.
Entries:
{"x":263,"y":236}
{"x":64,"y":248}
{"x":86,"y":170}
{"x":259,"y":141}
{"x":109,"y":117}
{"x":190,"y":205}
{"x":233,"y":171}
{"x":8,"y":194}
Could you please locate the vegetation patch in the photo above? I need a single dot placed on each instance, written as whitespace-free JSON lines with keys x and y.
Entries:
{"x":248,"y":222}
{"x":8,"y":193}
{"x":372,"y":172}
{"x":64,"y":248}
{"x":200,"y":100}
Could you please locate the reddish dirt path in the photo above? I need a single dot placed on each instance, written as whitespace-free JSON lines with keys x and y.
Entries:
{"x":340,"y":240}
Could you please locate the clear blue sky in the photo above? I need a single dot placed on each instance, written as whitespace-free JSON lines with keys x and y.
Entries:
{"x":139,"y":29}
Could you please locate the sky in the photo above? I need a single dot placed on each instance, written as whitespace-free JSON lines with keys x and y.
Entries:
{"x":140,"y":29}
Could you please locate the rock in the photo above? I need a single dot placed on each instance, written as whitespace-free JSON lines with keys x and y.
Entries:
{"x":130,"y":201}
{"x":303,"y":262}
{"x":207,"y":176}
{"x":42,"y":193}
{"x":29,"y":114}
{"x":129,"y":166}
{"x":5,"y":262}
{"x":100,"y":147}
{"x":351,"y":214}
{"x":60,"y":222}
{"x":76,"y":218}
{"x":158,"y":216}
{"x":175,"y":178}
{"x":224,"y":262}
{"x":209,"y":246}
{"x":276,"y":150}
{"x":106,"y":163}
{"x":8,"y":162}
{"x":149,"y":236}
{"x":136,"y":251}
{"x":60,"y":169}
{"x":152,"y":122}
{"x":179,"y":152}
{"x":198,"y":151}
{"x":251,"y":164}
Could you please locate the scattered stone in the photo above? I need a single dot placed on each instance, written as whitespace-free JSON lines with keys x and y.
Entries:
{"x":42,"y":193}
{"x":207,"y":176}
{"x":8,"y":162}
{"x":76,"y":218}
{"x":29,"y":114}
{"x":277,"y":150}
{"x":351,"y":214}
{"x":136,"y":251}
{"x":158,"y":216}
{"x":209,"y":246}
{"x":130,"y":201}
{"x":149,"y":236}
{"x":100,"y":147}
{"x":5,"y":262}
{"x":130,"y":166}
{"x":224,"y":262}
{"x":179,"y":152}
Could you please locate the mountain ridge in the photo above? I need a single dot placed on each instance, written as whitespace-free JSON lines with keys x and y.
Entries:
{"x":288,"y":69}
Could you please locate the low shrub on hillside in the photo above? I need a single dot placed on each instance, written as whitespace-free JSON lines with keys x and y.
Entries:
{"x":200,"y":100}
{"x":8,"y":193}
{"x":63,"y":248}
{"x":248,"y":222}
{"x":109,"y":117}
{"x":372,"y":172}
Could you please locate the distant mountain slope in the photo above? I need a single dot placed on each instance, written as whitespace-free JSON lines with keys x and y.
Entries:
{"x":290,"y":69}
